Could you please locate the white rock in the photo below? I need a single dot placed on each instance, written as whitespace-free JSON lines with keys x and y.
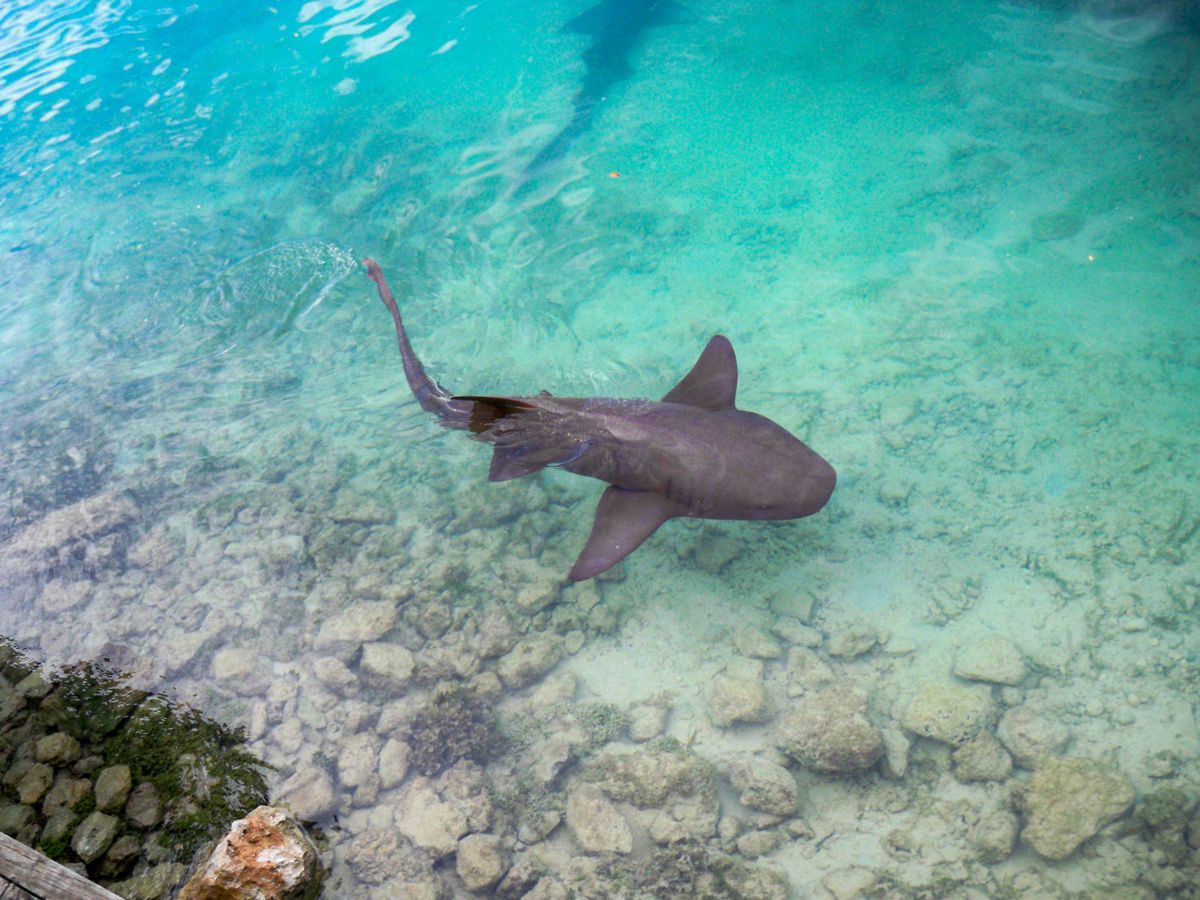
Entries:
{"x":949,"y":713}
{"x":993,"y":659}
{"x":428,"y":821}
{"x":595,"y":823}
{"x":359,"y":623}
{"x":358,"y":759}
{"x":387,"y":666}
{"x":393,"y":763}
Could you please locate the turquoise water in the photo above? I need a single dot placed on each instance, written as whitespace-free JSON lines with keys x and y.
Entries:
{"x":956,"y":246}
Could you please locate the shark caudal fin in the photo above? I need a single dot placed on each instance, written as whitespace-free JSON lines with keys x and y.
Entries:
{"x":526,"y":436}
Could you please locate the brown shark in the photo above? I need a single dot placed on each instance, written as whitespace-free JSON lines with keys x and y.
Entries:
{"x":693,"y":454}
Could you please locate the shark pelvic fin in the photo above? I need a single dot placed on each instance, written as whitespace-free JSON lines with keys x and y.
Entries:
{"x":624,"y":519}
{"x":712,"y":383}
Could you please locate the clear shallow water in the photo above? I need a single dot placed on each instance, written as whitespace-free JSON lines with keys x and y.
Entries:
{"x":956,"y":248}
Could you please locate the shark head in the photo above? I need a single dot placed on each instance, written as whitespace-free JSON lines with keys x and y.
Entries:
{"x":785,"y":479}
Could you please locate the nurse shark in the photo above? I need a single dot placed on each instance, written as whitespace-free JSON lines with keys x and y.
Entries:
{"x":693,"y":454}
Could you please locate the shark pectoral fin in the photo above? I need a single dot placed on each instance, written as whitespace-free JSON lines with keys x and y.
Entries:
{"x":624,"y":519}
{"x":712,"y":383}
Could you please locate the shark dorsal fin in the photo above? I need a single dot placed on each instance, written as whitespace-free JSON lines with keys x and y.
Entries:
{"x":624,"y":519}
{"x":712,"y":383}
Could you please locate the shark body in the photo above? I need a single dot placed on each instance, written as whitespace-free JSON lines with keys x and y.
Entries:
{"x":616,"y":28}
{"x":693,"y":454}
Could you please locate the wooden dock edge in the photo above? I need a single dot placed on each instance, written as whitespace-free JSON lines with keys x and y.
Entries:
{"x":26,"y":873}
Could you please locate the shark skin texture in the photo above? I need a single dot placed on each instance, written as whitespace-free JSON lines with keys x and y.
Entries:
{"x":693,"y":454}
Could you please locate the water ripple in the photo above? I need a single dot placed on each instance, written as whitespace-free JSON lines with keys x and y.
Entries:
{"x":38,"y":40}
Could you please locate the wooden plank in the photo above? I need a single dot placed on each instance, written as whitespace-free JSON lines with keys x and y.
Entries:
{"x":10,"y":891}
{"x":41,"y":876}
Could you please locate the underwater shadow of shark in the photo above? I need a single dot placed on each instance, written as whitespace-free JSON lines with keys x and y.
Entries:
{"x":693,"y":454}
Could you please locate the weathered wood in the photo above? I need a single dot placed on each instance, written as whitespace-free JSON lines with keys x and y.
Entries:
{"x":37,"y":876}
{"x":10,"y":891}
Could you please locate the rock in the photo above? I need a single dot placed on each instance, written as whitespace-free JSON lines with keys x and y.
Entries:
{"x":143,"y":809}
{"x":949,"y":713}
{"x":595,"y":823}
{"x":59,"y":596}
{"x":737,"y":695}
{"x":995,"y":835}
{"x":828,"y":730}
{"x":388,"y":667}
{"x":992,"y":659}
{"x":647,"y":721}
{"x":94,"y":835}
{"x":754,"y":844}
{"x":66,"y":792}
{"x":528,"y":660}
{"x":547,"y":759}
{"x":359,"y":623}
{"x":153,"y":884}
{"x":429,"y":821}
{"x":33,"y":686}
{"x":33,"y":785}
{"x":58,"y":825}
{"x":39,"y":546}
{"x":336,"y":674}
{"x":895,"y":752}
{"x":982,"y":758}
{"x":480,"y":861}
{"x":14,"y":817}
{"x":358,"y":759}
{"x":57,"y":749}
{"x":265,"y":856}
{"x":795,"y":606}
{"x":308,"y":794}
{"x":852,"y":643}
{"x":1162,"y":817}
{"x":112,"y":788}
{"x":234,"y":664}
{"x":755,"y":643}
{"x":765,"y":786}
{"x":1029,"y":736}
{"x":676,"y":787}
{"x":806,"y":670}
{"x":120,"y":856}
{"x":393,"y":763}
{"x":1067,"y":801}
{"x":851,"y":883}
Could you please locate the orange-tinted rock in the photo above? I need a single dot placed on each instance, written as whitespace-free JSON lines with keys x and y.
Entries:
{"x":265,"y":856}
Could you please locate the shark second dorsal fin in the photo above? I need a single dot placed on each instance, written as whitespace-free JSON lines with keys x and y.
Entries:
{"x":712,"y":383}
{"x":624,"y":519}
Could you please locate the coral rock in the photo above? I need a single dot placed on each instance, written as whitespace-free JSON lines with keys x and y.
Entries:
{"x":828,"y":731}
{"x":595,"y":823}
{"x":1029,"y":736}
{"x":1067,"y":801}
{"x":991,"y":659}
{"x":765,"y":786}
{"x":949,"y":713}
{"x":265,"y":856}
{"x":480,"y":861}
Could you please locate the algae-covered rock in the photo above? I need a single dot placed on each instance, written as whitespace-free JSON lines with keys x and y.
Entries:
{"x":1162,"y":816}
{"x":94,"y":835}
{"x":828,"y":730}
{"x":950,"y":713}
{"x":113,"y":784}
{"x":1067,"y":801}
{"x":528,"y":660}
{"x":480,"y":861}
